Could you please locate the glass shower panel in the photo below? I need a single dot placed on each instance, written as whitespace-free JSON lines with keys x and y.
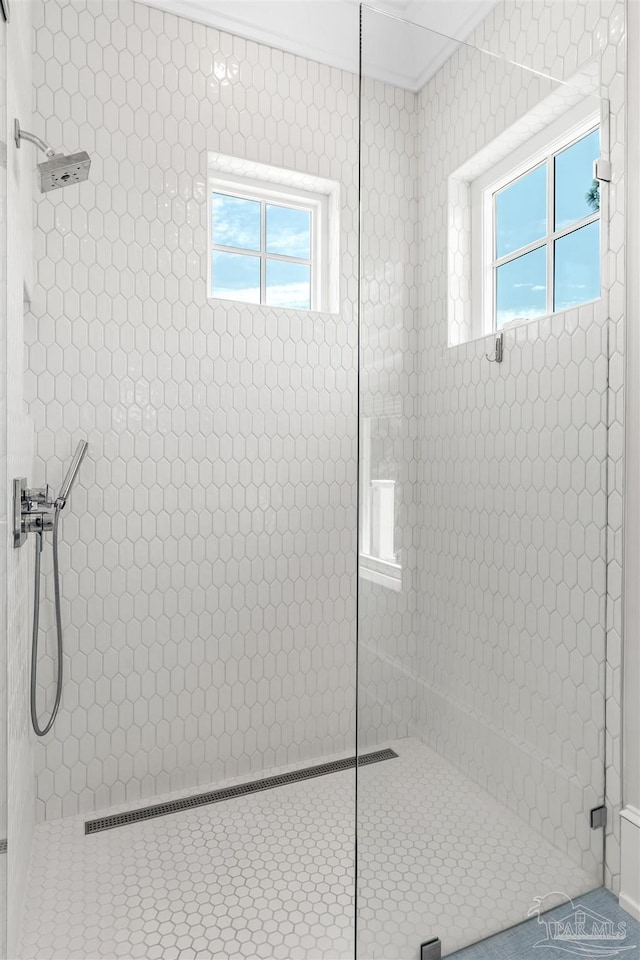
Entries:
{"x":482,"y":502}
{"x":211,"y":555}
{"x":3,"y":495}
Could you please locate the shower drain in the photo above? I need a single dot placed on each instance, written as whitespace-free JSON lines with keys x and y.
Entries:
{"x":228,"y":793}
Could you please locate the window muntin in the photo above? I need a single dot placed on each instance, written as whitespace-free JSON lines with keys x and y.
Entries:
{"x":545,"y":238}
{"x":266,"y":246}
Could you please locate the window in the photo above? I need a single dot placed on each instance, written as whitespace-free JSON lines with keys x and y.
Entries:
{"x":264,"y":252}
{"x":527,"y":223}
{"x":540,"y":243}
{"x":272,"y":240}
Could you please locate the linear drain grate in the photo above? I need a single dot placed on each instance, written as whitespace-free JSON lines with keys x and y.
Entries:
{"x":227,"y":793}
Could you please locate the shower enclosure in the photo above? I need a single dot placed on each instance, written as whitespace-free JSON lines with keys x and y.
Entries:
{"x":335,"y":581}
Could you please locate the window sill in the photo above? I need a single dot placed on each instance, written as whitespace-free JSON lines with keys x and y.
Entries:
{"x":382,"y":572}
{"x":518,"y":325}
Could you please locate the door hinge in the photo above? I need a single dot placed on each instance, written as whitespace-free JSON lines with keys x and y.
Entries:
{"x":598,"y":817}
{"x":431,"y":949}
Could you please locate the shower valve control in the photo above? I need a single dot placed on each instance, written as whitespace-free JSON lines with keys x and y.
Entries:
{"x":33,"y":510}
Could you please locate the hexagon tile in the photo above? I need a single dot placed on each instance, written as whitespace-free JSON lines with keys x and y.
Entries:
{"x":271,"y":874}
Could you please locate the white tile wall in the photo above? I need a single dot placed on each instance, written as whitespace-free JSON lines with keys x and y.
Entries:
{"x":513,"y":468}
{"x":209,"y":556}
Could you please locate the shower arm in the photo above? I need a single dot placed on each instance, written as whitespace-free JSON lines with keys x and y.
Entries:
{"x":19,"y":134}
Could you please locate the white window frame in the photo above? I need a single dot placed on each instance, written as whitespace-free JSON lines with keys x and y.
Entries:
{"x":543,"y":147}
{"x":317,"y":204}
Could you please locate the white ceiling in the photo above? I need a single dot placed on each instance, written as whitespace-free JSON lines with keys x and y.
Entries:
{"x":327,"y":30}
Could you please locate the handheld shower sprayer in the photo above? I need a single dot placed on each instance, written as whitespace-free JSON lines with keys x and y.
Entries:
{"x":72,"y":473}
{"x":38,"y":511}
{"x":58,"y":170}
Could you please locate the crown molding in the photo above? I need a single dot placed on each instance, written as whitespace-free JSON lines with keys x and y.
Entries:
{"x":403,"y":54}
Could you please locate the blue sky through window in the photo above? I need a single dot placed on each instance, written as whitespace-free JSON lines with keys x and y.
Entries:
{"x":288,"y":231}
{"x":235,"y":277}
{"x":521,"y":288}
{"x":574,"y":176}
{"x":288,"y":284}
{"x":521,"y":212}
{"x":577,"y":268}
{"x":235,"y":222}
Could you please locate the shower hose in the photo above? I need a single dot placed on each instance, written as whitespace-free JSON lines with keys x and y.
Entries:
{"x":41,"y":731}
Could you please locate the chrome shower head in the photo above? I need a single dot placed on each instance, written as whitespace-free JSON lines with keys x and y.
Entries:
{"x":61,"y":170}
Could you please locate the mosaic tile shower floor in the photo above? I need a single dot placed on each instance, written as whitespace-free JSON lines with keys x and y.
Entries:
{"x":270,"y":875}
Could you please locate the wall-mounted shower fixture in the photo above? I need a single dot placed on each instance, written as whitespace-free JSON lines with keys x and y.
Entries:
{"x":38,"y":511}
{"x":59,"y":169}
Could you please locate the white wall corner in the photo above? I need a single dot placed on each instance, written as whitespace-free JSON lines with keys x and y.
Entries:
{"x":630,"y":861}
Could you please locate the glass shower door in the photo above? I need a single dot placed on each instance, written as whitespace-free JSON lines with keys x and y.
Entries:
{"x":482,"y":566}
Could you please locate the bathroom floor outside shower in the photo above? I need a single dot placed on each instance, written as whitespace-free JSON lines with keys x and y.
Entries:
{"x":271,"y":874}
